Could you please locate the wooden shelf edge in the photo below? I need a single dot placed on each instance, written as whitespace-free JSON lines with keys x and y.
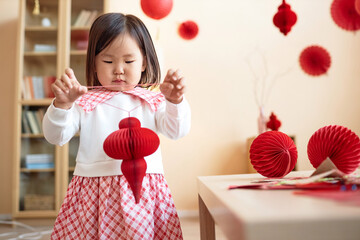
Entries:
{"x":36,"y":214}
{"x":36,"y":102}
{"x":26,"y":170}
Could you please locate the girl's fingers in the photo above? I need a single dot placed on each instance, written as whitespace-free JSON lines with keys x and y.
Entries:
{"x":66,"y":80}
{"x":60,"y":86}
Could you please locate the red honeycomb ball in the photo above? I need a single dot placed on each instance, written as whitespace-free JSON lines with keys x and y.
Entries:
{"x":339,"y":144}
{"x":273,"y":154}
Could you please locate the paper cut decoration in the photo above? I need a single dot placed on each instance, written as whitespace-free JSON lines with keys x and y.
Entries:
{"x":156,"y":9}
{"x":273,"y":154}
{"x":131,"y":143}
{"x":315,"y":60}
{"x":188,"y":30}
{"x":274,"y":123}
{"x":339,"y":144}
{"x":344,"y":14}
{"x":285,"y":18}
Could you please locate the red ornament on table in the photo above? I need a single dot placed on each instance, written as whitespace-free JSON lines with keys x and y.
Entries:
{"x":273,"y":123}
{"x":156,"y":9}
{"x":339,"y":144}
{"x":315,"y":60}
{"x":188,"y":30}
{"x":344,"y":14}
{"x":285,"y":18}
{"x":131,"y":143}
{"x":273,"y":154}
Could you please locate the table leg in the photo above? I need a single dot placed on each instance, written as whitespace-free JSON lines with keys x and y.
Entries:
{"x":207,"y":224}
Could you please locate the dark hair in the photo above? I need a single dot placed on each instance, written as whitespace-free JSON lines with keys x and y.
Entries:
{"x":105,"y":29}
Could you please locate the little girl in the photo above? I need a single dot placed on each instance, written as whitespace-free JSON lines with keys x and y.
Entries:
{"x":99,"y":203}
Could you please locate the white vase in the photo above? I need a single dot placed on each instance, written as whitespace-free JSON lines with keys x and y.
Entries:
{"x":261,"y":121}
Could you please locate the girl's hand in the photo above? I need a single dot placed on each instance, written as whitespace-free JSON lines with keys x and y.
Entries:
{"x":67,"y":89}
{"x":173,"y":86}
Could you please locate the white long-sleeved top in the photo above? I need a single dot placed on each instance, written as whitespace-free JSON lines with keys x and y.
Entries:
{"x":59,"y":126}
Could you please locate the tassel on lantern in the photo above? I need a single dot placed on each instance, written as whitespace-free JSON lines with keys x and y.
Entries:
{"x":132,"y":143}
{"x":285,"y":18}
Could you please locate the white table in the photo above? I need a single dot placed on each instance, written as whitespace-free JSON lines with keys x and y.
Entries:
{"x":271,"y":214}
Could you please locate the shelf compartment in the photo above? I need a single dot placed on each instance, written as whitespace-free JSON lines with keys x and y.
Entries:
{"x":48,"y":9}
{"x":37,"y":191}
{"x":40,"y":64}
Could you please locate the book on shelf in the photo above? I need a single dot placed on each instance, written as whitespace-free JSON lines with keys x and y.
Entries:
{"x":39,"y":161}
{"x":44,"y":48}
{"x":85,"y":18}
{"x":40,"y":165}
{"x":31,"y":121}
{"x":37,"y":87}
{"x":39,"y":158}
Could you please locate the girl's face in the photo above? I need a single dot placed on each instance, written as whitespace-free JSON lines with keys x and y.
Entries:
{"x":120,"y":64}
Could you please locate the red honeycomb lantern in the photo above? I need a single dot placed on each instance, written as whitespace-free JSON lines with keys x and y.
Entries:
{"x":273,"y":154}
{"x":132,"y":143}
{"x":156,"y":9}
{"x":274,"y":123}
{"x":315,"y":60}
{"x":285,"y":18}
{"x":345,"y":15}
{"x":188,"y":30}
{"x":339,"y":144}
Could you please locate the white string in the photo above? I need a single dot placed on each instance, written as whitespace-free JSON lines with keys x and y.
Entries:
{"x":33,"y":235}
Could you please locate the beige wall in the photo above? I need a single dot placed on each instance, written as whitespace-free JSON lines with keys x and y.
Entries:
{"x":220,"y":84}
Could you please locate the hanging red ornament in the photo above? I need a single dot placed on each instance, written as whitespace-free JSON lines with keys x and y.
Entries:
{"x":285,"y":18}
{"x":357,"y":6}
{"x":188,"y":30}
{"x":132,"y":143}
{"x":315,"y":60}
{"x":156,"y":9}
{"x":273,"y":154}
{"x":339,"y":144}
{"x":344,"y":14}
{"x":273,"y":123}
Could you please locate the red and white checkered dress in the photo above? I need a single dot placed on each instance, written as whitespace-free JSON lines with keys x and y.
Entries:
{"x":105,"y":208}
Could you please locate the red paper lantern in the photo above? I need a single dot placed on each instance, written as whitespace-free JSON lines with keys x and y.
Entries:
{"x":285,"y":18}
{"x":132,"y":143}
{"x":315,"y":60}
{"x":339,"y":144}
{"x":357,"y":6}
{"x":188,"y":30}
{"x":274,"y":123}
{"x":273,"y":154}
{"x":344,"y":14}
{"x":156,"y":9}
